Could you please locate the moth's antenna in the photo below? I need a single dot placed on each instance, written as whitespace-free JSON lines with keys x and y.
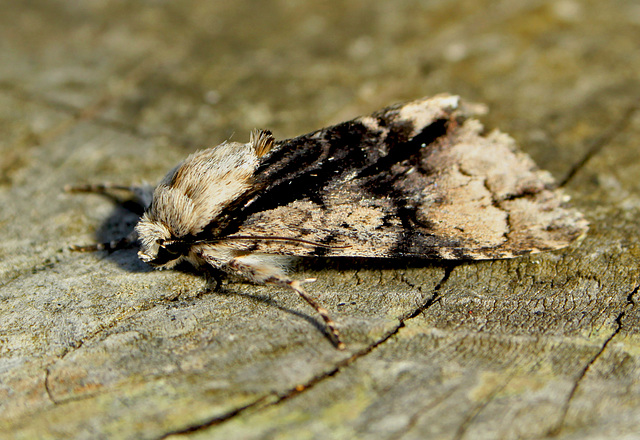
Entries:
{"x":270,"y":238}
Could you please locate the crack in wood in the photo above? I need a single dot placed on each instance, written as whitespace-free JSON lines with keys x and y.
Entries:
{"x":47,"y":388}
{"x":415,"y":417}
{"x":600,"y":142}
{"x":79,"y":343}
{"x":475,"y":411}
{"x":215,"y":420}
{"x":630,"y":302}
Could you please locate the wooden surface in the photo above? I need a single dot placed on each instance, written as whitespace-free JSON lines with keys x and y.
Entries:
{"x":99,"y":346}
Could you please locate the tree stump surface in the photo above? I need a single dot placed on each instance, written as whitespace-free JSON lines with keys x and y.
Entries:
{"x":98,"y":345}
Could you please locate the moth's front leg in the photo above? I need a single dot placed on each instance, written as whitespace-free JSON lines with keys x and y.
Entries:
{"x":259,"y":269}
{"x":111,"y":246}
{"x":139,"y":195}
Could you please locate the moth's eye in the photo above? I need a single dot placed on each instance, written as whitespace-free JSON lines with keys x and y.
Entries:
{"x":176,"y":247}
{"x":160,"y":241}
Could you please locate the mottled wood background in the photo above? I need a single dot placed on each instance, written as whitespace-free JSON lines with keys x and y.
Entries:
{"x":99,"y":346}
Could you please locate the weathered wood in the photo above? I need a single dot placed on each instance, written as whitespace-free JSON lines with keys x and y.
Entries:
{"x":100,"y":346}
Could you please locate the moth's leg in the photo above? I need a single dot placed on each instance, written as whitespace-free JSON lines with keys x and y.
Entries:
{"x":140,"y":195}
{"x":331,"y":325}
{"x":212,"y":277}
{"x":261,"y":271}
{"x":110,"y":246}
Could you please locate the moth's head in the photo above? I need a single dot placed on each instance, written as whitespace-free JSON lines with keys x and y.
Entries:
{"x":157,"y":247}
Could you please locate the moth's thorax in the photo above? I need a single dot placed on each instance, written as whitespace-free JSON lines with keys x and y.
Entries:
{"x":194,"y":193}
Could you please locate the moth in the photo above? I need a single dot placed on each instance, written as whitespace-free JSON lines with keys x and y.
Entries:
{"x":416,"y":180}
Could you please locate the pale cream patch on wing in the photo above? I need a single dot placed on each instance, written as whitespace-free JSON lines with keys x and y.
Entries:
{"x":423,"y":112}
{"x":461,"y":208}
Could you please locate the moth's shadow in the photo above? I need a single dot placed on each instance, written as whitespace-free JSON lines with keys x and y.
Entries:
{"x":271,"y":302}
{"x":117,"y":225}
{"x":368,"y":263}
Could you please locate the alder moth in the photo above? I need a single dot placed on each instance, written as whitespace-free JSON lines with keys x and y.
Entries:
{"x":417,"y":180}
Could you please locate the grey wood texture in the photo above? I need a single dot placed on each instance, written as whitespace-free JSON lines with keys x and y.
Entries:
{"x":100,"y":346}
